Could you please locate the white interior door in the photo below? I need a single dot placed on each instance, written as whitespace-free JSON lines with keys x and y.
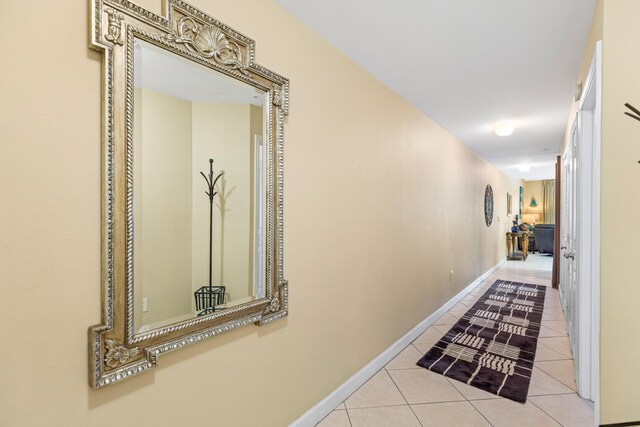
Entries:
{"x":586,"y":345}
{"x":564,"y":220}
{"x":580,"y":236}
{"x":569,"y":289}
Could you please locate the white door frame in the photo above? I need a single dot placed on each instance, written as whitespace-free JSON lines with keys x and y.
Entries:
{"x":588,"y":250}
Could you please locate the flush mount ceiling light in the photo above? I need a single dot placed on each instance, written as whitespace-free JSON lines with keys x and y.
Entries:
{"x":524,"y":168}
{"x":504,"y":128}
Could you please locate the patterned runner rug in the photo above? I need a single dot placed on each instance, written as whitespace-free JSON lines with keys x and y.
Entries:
{"x":493,"y":345}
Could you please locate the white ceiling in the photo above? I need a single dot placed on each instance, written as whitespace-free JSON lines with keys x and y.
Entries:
{"x":468,"y":64}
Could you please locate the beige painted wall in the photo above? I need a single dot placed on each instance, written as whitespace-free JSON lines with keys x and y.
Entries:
{"x":222,"y":132}
{"x":380,"y":203}
{"x":162,"y":207}
{"x":620,"y":270}
{"x":533,"y":189}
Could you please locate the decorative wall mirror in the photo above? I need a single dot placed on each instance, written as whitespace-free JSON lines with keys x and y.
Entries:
{"x":488,"y":205}
{"x":192,"y":191}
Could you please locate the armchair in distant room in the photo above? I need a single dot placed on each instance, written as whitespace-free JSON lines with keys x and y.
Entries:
{"x":532,"y":240}
{"x":544,"y":234}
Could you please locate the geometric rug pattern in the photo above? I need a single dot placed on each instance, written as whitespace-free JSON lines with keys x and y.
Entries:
{"x":493,"y":346}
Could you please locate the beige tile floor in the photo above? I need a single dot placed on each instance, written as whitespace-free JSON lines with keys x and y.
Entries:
{"x":403,"y":394}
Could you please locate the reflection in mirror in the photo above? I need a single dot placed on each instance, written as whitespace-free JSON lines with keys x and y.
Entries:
{"x":195,"y":251}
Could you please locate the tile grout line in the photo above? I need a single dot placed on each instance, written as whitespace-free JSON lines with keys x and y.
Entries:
{"x":405,"y":399}
{"x":552,"y":394}
{"x":355,"y":391}
{"x":407,"y":369}
{"x":552,"y":360}
{"x":419,"y":351}
{"x":469,"y":401}
{"x":555,"y":336}
{"x":348,"y":416}
{"x":545,"y":412}
{"x":552,"y":349}
{"x":474,"y":407}
{"x":382,"y":406}
{"x":557,"y":379}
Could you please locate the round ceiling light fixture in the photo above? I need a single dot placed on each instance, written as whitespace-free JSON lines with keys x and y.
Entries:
{"x":524,"y":168}
{"x":504,"y":128}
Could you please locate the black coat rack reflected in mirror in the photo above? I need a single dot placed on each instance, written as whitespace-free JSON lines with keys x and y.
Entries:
{"x":636,"y":114}
{"x":207,"y":297}
{"x":635,"y":110}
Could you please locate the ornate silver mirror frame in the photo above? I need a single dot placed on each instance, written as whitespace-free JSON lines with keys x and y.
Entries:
{"x":116,"y":351}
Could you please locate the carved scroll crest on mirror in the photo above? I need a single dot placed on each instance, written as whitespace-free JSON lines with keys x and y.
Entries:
{"x":149,"y":116}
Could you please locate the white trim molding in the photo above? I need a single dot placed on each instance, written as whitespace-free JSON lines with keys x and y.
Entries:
{"x":318,"y":412}
{"x":589,"y":152}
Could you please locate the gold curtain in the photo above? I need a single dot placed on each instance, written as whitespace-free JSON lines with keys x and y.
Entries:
{"x":549,"y":201}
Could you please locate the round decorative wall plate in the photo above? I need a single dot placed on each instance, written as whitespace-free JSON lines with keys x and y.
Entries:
{"x":488,"y":205}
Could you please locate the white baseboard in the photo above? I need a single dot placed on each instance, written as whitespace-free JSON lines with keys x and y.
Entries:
{"x":317,"y":413}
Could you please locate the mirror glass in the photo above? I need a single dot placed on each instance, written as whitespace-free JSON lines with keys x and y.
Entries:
{"x":198,"y":189}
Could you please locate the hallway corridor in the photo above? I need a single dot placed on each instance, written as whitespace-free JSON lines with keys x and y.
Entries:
{"x":403,"y":394}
